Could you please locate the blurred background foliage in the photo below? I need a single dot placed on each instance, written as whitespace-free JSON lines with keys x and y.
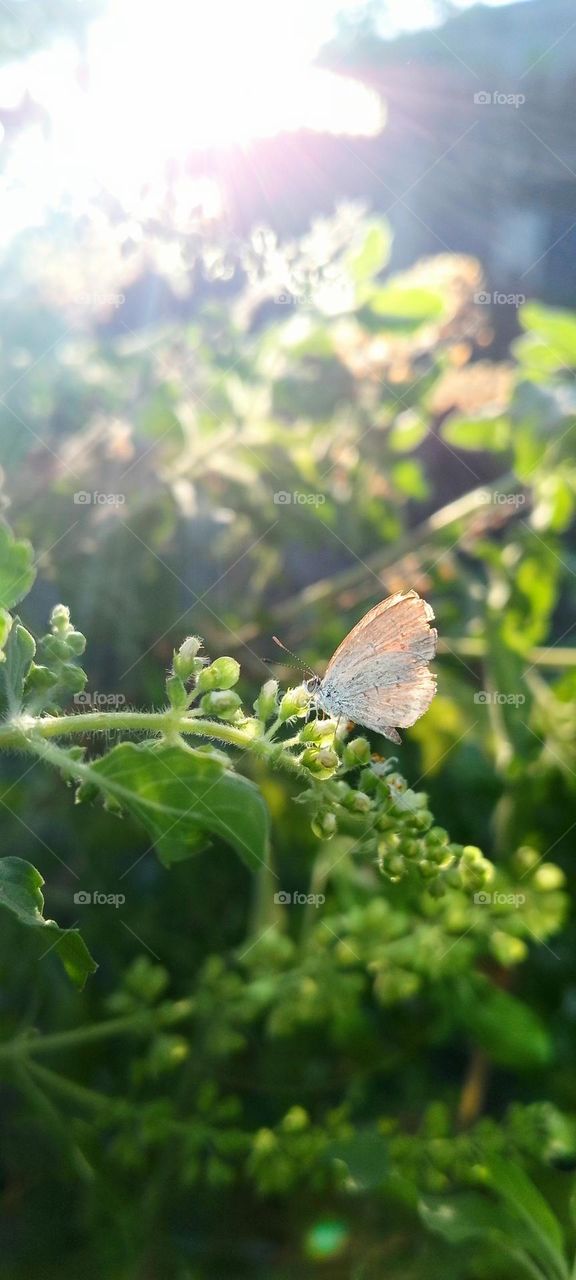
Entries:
{"x":235,"y":436}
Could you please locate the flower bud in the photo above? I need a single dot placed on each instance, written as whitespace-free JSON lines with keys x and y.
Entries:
{"x":60,"y":618}
{"x":76,"y":643}
{"x":177,"y":696}
{"x":358,"y":802}
{"x":73,"y":678}
{"x":56,"y":647}
{"x":39,"y":678}
{"x":294,"y":703}
{"x":186,"y":662}
{"x":506,"y":949}
{"x":221,"y":674}
{"x":324,"y":824}
{"x":265,"y":704}
{"x":321,"y":763}
{"x":356,"y":752}
{"x":548,"y":876}
{"x":317,"y":730}
{"x":223,"y":703}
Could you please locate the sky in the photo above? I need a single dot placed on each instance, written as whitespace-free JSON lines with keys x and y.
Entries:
{"x":157,"y":78}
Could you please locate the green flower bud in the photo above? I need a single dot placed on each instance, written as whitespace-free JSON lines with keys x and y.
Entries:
{"x":265,"y":704}
{"x":294,"y":703}
{"x":548,"y":876}
{"x":221,"y":674}
{"x":471,"y":854}
{"x":56,"y":647}
{"x":356,"y":752}
{"x":223,"y":703}
{"x":395,"y":868}
{"x":39,"y":678}
{"x":60,"y":618}
{"x":507,"y":950}
{"x":186,"y":662}
{"x":421,"y":820}
{"x":316,"y":730}
{"x":321,"y":763}
{"x":324,"y":824}
{"x":358,"y":802}
{"x":73,"y":678}
{"x":76,"y":643}
{"x":525,"y":858}
{"x":437,"y":836}
{"x":295,"y":1120}
{"x":177,"y":696}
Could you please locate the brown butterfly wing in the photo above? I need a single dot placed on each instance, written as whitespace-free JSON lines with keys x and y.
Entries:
{"x":379,"y":674}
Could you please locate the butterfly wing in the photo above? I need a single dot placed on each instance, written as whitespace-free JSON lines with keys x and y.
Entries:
{"x":379,"y":675}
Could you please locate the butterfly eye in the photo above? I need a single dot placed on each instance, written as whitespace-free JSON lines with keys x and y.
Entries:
{"x":313,"y":684}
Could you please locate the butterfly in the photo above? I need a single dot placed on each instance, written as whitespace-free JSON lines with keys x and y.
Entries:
{"x":379,"y":676}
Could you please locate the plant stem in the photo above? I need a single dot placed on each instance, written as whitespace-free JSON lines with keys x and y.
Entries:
{"x":140,"y":1023}
{"x":27,"y":733}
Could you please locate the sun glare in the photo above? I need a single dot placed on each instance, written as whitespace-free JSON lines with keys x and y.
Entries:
{"x":159,"y":80}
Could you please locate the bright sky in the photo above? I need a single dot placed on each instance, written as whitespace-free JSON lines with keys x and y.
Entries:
{"x":160,"y":77}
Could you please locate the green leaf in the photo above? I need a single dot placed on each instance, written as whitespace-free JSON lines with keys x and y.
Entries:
{"x":556,"y":327}
{"x":472,"y":1216}
{"x":520,"y":1194}
{"x":491,"y":433}
{"x":399,"y":306}
{"x":364,"y":264}
{"x":21,"y":895}
{"x":181,"y":795}
{"x":466,"y":1216}
{"x":18,"y":655}
{"x":408,"y":477}
{"x":17,"y":572}
{"x":510,"y":1032}
{"x":407,"y":432}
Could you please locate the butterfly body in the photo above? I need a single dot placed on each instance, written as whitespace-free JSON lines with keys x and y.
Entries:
{"x":379,"y":676}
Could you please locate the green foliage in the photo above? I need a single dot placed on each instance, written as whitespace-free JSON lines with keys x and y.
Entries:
{"x":20,"y":894}
{"x":339,"y":1017}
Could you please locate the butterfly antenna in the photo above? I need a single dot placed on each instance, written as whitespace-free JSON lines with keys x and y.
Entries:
{"x":302,"y":666}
